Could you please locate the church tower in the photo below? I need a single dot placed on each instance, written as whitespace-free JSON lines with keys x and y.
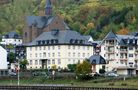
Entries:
{"x":48,"y":8}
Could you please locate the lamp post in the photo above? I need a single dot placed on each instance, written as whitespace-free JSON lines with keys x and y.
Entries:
{"x":18,"y":73}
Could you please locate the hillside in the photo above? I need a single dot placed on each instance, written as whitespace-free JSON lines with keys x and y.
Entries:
{"x":89,"y":17}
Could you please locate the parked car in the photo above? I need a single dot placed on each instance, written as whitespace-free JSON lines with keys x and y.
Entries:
{"x":111,"y":74}
{"x":12,"y":73}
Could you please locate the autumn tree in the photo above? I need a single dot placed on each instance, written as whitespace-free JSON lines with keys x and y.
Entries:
{"x":123,"y":31}
{"x":83,"y":69}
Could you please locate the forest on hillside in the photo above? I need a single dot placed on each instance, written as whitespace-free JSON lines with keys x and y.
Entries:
{"x":89,"y":17}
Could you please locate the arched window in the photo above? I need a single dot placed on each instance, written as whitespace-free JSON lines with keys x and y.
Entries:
{"x":25,"y":34}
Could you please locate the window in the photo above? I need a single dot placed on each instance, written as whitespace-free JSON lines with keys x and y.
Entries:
{"x":53,"y":54}
{"x":53,"y":61}
{"x":116,"y":54}
{"x":40,"y":62}
{"x":73,"y":61}
{"x":83,"y":54}
{"x":130,"y":48}
{"x":74,"y":54}
{"x":30,"y":48}
{"x":88,"y":54}
{"x":69,"y":54}
{"x":59,"y":61}
{"x":78,"y":54}
{"x":48,"y":47}
{"x":40,"y":48}
{"x":49,"y":62}
{"x":121,"y":62}
{"x":59,"y":54}
{"x":130,"y":55}
{"x":36,"y":62}
{"x":83,"y":47}
{"x":44,"y":48}
{"x":59,"y":47}
{"x":68,"y":47}
{"x":36,"y":55}
{"x":73,"y":47}
{"x":78,"y":47}
{"x":48,"y":54}
{"x":87,"y":47}
{"x":30,"y":55}
{"x":53,"y":47}
{"x":69,"y":60}
{"x":31,"y":62}
{"x":35,"y":48}
{"x":40,"y":54}
{"x":44,"y":54}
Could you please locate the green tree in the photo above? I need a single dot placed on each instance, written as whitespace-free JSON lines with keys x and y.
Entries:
{"x":23,"y":64}
{"x":11,"y":57}
{"x":72,"y":67}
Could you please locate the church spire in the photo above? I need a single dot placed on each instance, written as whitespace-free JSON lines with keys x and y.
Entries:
{"x":48,"y":8}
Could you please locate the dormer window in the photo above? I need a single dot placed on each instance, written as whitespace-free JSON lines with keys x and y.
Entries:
{"x":43,"y":42}
{"x":76,"y":41}
{"x":71,"y":41}
{"x":56,"y":41}
{"x":39,"y":42}
{"x":52,"y":41}
{"x":81,"y":41}
{"x":47,"y":41}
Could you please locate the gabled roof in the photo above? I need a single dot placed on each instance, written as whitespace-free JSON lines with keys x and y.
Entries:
{"x":63,"y":37}
{"x":122,"y":39}
{"x":97,"y":59}
{"x":110,"y":35}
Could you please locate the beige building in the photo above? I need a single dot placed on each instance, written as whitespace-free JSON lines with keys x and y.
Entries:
{"x":58,"y":48}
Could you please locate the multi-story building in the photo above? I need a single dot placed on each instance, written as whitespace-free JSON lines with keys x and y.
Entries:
{"x":121,"y":53}
{"x":58,"y":48}
{"x":11,"y":38}
{"x":3,"y":62}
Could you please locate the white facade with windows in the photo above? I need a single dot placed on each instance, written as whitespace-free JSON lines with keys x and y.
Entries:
{"x":121,"y":53}
{"x":60,"y":49}
{"x":3,"y":59}
{"x":59,"y":55}
{"x":11,"y":38}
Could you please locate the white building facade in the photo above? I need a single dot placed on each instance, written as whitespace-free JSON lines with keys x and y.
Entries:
{"x":58,"y":48}
{"x":11,"y":38}
{"x":3,"y":59}
{"x":120,"y":52}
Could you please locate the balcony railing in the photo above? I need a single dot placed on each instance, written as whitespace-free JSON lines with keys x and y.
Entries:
{"x":123,"y":51}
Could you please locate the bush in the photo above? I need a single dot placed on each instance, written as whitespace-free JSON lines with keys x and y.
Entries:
{"x":123,"y":84}
{"x":112,"y":84}
{"x":101,"y":71}
{"x":84,"y":77}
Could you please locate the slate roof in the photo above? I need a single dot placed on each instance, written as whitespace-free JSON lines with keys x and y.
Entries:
{"x":97,"y":59}
{"x":122,"y":39}
{"x":41,"y":21}
{"x":60,"y":37}
{"x":12,"y":34}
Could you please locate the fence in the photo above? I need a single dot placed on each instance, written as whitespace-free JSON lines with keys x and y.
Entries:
{"x":57,"y":88}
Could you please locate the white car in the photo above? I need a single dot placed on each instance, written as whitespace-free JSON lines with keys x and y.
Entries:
{"x":111,"y":74}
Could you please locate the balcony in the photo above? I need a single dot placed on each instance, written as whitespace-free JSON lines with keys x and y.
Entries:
{"x":110,"y":51}
{"x":110,"y":59}
{"x":123,"y":59}
{"x":123,"y":50}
